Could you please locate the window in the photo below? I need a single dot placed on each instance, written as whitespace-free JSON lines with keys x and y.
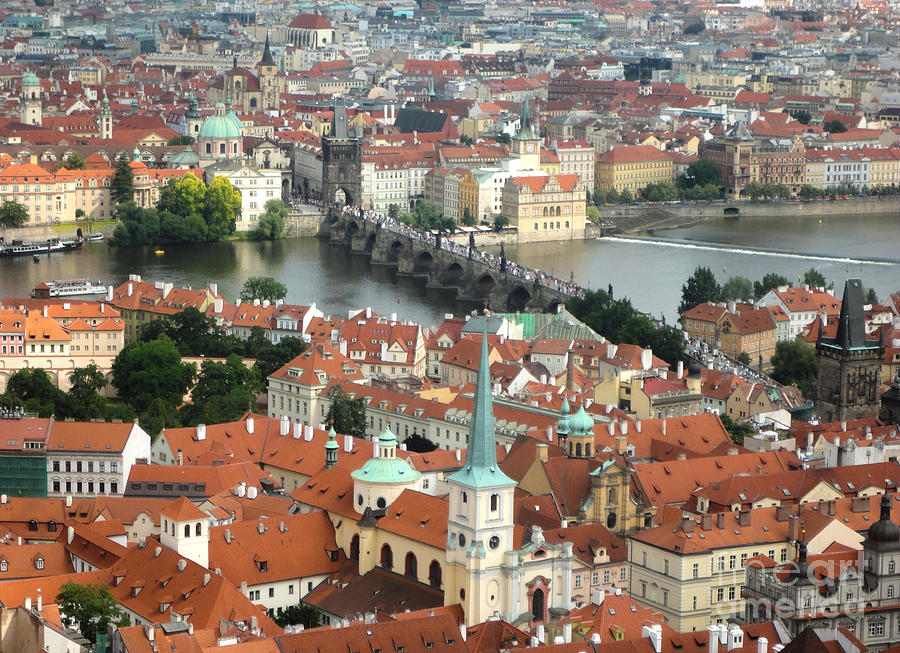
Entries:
{"x":56,"y":469}
{"x":694,"y":603}
{"x":271,"y":592}
{"x":644,"y":558}
{"x":495,"y":502}
{"x":666,"y":567}
{"x":890,"y":591}
{"x":290,"y":589}
{"x":577,"y":581}
{"x":643,"y":589}
{"x":39,"y":563}
{"x":606,"y":577}
{"x":720,"y":594}
{"x":731,"y":593}
{"x":4,"y":565}
{"x":891,"y":566}
{"x":254,"y":595}
{"x":876,"y":628}
{"x":623,"y":571}
{"x":695,"y":570}
{"x":114,"y":467}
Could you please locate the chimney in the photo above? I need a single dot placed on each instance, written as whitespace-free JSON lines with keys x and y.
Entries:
{"x":621,"y":445}
{"x":549,"y":434}
{"x":655,"y":635}
{"x":597,"y":596}
{"x":735,"y":637}
{"x":539,"y":631}
{"x":459,"y":455}
{"x":68,"y":501}
{"x":762,"y":645}
{"x":250,"y":425}
{"x":201,"y":432}
{"x":687,"y":524}
{"x":793,"y":528}
{"x":297,"y":428}
{"x":680,"y":369}
{"x":308,"y":433}
{"x":706,"y":522}
{"x":285,"y":426}
{"x":40,"y":601}
{"x":46,"y":311}
{"x":348,"y":443}
{"x":713,"y":643}
{"x":179,"y":458}
{"x":832,"y":509}
{"x":646,"y":360}
{"x":70,"y":534}
{"x":720,"y":520}
{"x":570,"y":370}
{"x":611,"y":427}
{"x":662,"y":425}
{"x":744,"y":518}
{"x":130,"y":289}
{"x":637,"y":424}
{"x":783,"y":513}
{"x":859,"y":504}
{"x":542,"y":452}
{"x":28,"y":603}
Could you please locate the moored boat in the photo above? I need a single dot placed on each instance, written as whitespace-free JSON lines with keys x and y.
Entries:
{"x":68,"y":288}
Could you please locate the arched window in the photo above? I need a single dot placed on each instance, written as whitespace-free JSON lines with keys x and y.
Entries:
{"x":465,"y":497}
{"x":537,"y":605}
{"x":253,"y":103}
{"x":578,"y":449}
{"x":387,"y":557}
{"x":411,"y":566}
{"x":434,"y":574}
{"x":208,"y":148}
{"x":198,"y":530}
{"x":187,"y":530}
{"x":557,"y":224}
{"x":221,"y":148}
{"x":612,"y":495}
{"x":495,"y":502}
{"x":587,"y":448}
{"x":545,"y":210}
{"x":354,"y":548}
{"x":611,"y":520}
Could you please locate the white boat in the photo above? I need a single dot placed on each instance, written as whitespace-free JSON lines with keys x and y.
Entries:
{"x":69,"y":288}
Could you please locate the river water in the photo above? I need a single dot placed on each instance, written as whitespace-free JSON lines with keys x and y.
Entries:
{"x":650,"y":272}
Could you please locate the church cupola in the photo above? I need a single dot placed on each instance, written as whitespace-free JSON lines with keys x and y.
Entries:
{"x":331,"y":449}
{"x":562,"y":425}
{"x":581,"y":435}
{"x":384,"y":476}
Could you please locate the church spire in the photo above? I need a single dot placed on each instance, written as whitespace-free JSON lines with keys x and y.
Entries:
{"x":267,"y":58}
{"x":331,"y":449}
{"x":480,"y":469}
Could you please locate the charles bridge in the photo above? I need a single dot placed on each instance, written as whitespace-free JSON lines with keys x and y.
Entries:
{"x":478,"y":277}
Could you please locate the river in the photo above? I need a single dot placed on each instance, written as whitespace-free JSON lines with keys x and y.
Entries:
{"x":650,"y":272}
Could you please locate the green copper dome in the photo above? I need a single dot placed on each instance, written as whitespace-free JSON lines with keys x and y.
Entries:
{"x":332,"y":440}
{"x":232,"y":116}
{"x":581,"y":423}
{"x":220,"y":126}
{"x":386,"y":468}
{"x":30,"y":79}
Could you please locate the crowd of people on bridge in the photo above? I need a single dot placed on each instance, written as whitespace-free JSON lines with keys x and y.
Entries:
{"x":433,"y":240}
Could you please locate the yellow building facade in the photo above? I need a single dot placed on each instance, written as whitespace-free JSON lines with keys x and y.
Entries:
{"x":633,"y":167}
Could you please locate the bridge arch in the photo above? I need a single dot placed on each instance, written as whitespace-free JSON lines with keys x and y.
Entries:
{"x":352,"y":229}
{"x":395,"y":250}
{"x":485,"y":284}
{"x":554,"y":306}
{"x":370,"y":242}
{"x":454,"y":273}
{"x":518,"y":298}
{"x":424,"y":261}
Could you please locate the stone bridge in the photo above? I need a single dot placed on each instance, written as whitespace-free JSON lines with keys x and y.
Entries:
{"x":473,"y":280}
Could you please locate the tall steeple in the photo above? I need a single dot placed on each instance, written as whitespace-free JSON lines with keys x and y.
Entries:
{"x":481,"y":469}
{"x":267,"y":58}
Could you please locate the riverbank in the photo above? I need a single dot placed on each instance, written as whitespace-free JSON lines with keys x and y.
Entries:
{"x":638,"y":218}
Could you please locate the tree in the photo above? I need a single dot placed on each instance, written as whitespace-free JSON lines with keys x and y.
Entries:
{"x":74,"y":162}
{"x":612,"y":196}
{"x":34,"y":388}
{"x":795,"y":362}
{"x":700,"y":287}
{"x":625,"y":196}
{"x":808,"y":192}
{"x":599,"y":197}
{"x":699,"y":173}
{"x":737,"y":430}
{"x":89,"y":607}
{"x":694,"y":28}
{"x":183,"y":197}
{"x":393,"y":211}
{"x":737,"y":289}
{"x":305,"y":614}
{"x":800,"y":115}
{"x":744,"y":359}
{"x":222,"y":208}
{"x":834,"y":126}
{"x":270,"y":358}
{"x":465,"y":140}
{"x":181,"y":140}
{"x":419,"y":443}
{"x":754,"y":190}
{"x":137,"y":226}
{"x":122,"y":189}
{"x":13,"y":214}
{"x":347,"y":415}
{"x":871,"y":297}
{"x":467,"y":218}
{"x":82,"y":401}
{"x":769,"y":282}
{"x":223,"y":392}
{"x":149,"y":372}
{"x":501,"y":222}
{"x":504,"y":138}
{"x":263,"y":288}
{"x":593,"y":214}
{"x":271,"y":223}
{"x":813,"y":278}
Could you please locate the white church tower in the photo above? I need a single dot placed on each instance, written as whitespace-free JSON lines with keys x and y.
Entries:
{"x":185,"y":529}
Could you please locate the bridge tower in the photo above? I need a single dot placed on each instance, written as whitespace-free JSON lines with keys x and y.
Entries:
{"x":341,"y":162}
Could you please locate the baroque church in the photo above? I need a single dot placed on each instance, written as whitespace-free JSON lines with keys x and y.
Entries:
{"x":251,"y":91}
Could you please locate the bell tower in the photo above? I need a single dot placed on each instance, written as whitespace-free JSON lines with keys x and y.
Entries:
{"x":105,"y":119}
{"x":267,"y":71}
{"x":480,"y":526}
{"x":30,"y":109}
{"x":526,"y":144}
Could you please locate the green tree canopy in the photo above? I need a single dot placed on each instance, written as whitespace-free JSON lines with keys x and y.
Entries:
{"x":794,"y":361}
{"x":34,"y":388}
{"x":699,"y":173}
{"x":223,"y":392}
{"x":501,"y":222}
{"x":221,"y":208}
{"x":737,"y":430}
{"x":149,"y":372}
{"x":303,"y":613}
{"x":74,"y":162}
{"x":744,"y":359}
{"x":270,"y":224}
{"x":263,"y":288}
{"x":122,"y":189}
{"x":467,"y":218}
{"x":834,"y":126}
{"x":348,"y":415}
{"x":181,"y":140}
{"x":13,"y":214}
{"x":814,"y":279}
{"x":699,"y":288}
{"x":82,"y":401}
{"x":737,"y":289}
{"x":183,"y":197}
{"x":89,"y":608}
{"x":694,"y":28}
{"x":625,"y":196}
{"x":593,"y":214}
{"x":769,"y":282}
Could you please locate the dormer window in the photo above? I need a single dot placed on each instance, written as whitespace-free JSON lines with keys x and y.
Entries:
{"x":4,"y":565}
{"x":39,"y":563}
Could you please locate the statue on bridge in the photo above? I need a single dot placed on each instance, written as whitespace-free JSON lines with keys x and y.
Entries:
{"x":471,"y":244}
{"x":502,"y":258}
{"x":437,"y":239}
